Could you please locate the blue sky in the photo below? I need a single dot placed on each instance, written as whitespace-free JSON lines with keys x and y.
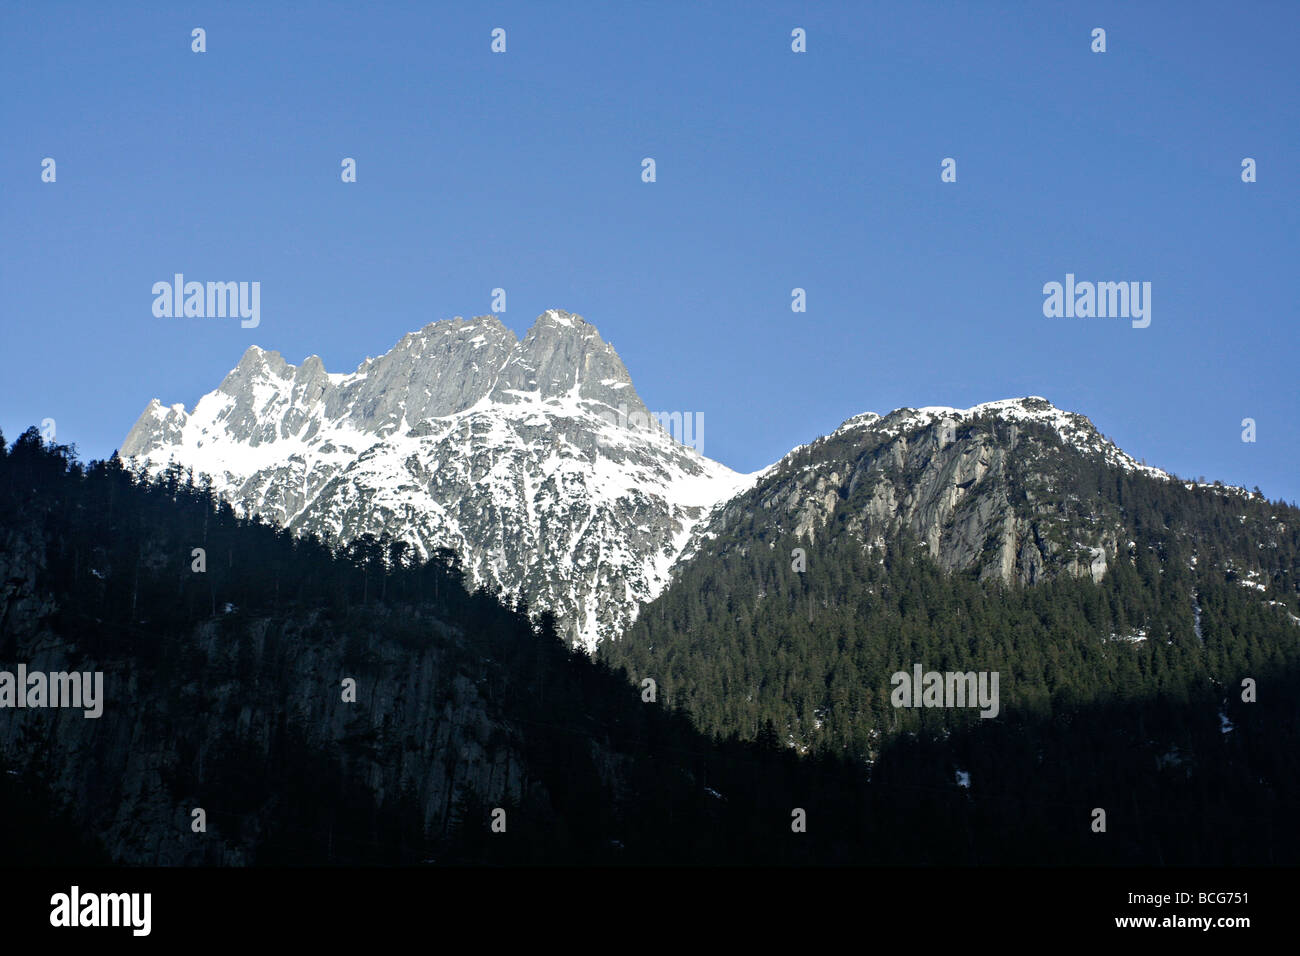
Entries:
{"x":775,"y":170}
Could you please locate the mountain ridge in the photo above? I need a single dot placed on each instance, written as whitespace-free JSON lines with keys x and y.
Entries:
{"x":534,"y":458}
{"x":537,"y":461}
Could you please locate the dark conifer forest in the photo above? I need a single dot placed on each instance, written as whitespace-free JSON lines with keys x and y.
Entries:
{"x":223,"y":693}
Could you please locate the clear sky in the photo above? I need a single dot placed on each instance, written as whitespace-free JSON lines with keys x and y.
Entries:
{"x":775,"y":170}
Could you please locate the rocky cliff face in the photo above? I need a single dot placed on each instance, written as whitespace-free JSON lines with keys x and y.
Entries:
{"x":534,"y":460}
{"x":977,"y":488}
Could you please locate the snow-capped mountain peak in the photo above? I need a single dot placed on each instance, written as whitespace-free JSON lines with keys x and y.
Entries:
{"x":534,"y":459}
{"x":1072,"y":428}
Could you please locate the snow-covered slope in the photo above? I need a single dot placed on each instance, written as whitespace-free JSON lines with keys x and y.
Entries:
{"x":525,"y":457}
{"x":1072,"y":428}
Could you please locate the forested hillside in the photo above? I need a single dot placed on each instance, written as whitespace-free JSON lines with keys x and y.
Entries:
{"x":222,"y":692}
{"x":798,"y":611}
{"x":789,"y":628}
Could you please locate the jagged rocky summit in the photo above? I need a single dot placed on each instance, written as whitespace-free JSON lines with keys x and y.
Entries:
{"x":535,"y":460}
{"x":539,"y":465}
